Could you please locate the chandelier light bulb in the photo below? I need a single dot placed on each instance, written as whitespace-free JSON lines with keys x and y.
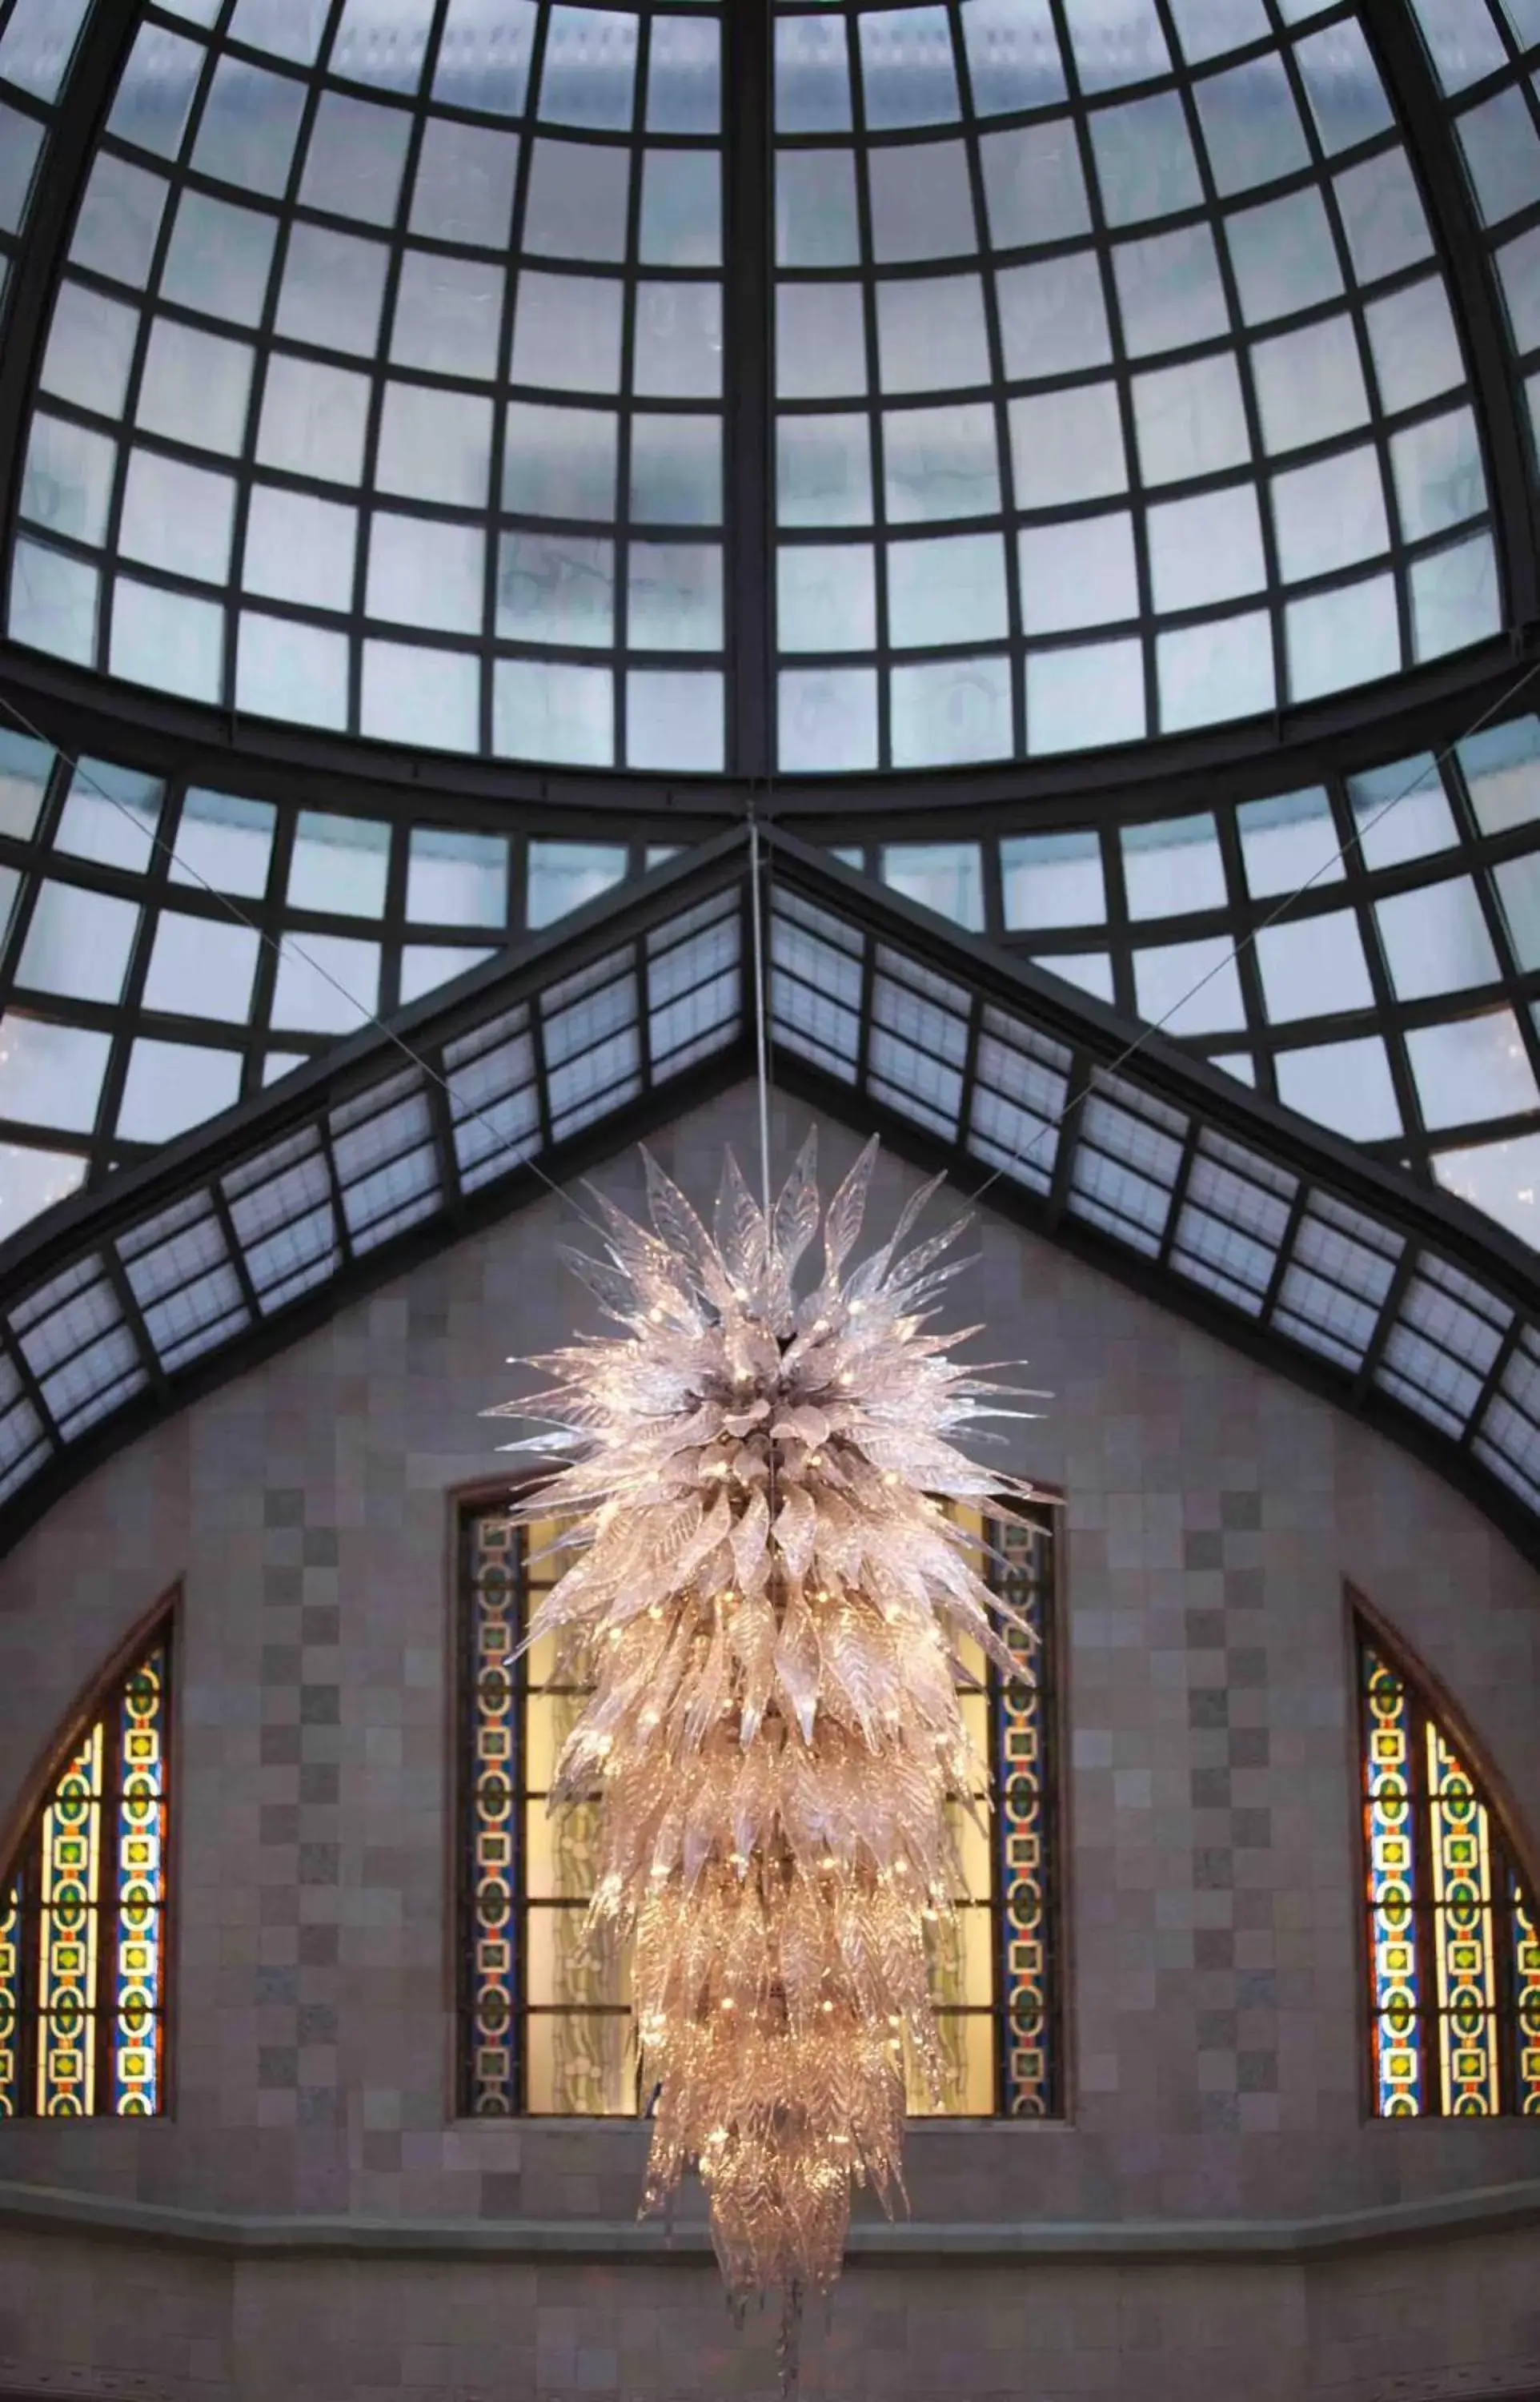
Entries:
{"x":768,"y":1609}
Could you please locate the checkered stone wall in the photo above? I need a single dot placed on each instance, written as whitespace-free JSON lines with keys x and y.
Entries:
{"x":1215,"y":2028}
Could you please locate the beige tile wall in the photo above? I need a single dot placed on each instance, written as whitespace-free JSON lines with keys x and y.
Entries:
{"x":1214,"y":1511}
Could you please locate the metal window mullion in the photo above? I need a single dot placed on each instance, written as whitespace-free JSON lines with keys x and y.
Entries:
{"x":11,"y":1344}
{"x":268,"y":916}
{"x":1388,"y":1018}
{"x":323,"y":1129}
{"x":1187,"y":1161}
{"x":1287,"y":1243}
{"x":127,"y":1302}
{"x":1240,"y":929}
{"x":1389,"y":1316}
{"x":875,"y":395}
{"x":440,"y":1118}
{"x":1006,"y":464}
{"x":1079,"y":1083}
{"x":215,"y":1194}
{"x":1239,"y":348}
{"x":625,"y":402}
{"x":1121,"y":370}
{"x":105,"y":1900}
{"x":1424,"y":1912}
{"x":497,"y":470}
{"x":377,"y":368}
{"x":1117,"y":927}
{"x":747,"y":87}
{"x":1492,"y":1382}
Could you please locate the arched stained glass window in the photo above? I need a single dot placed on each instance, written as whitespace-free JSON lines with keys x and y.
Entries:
{"x":544,"y":2021}
{"x":1454,"y":1936}
{"x":83,"y":1967}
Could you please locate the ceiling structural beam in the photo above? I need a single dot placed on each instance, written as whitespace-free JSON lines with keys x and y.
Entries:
{"x":748,"y":356}
{"x":1162,"y":1115}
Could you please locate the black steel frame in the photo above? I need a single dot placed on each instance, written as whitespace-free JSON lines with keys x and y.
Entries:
{"x":1281,"y":750}
{"x":1093,"y":1036}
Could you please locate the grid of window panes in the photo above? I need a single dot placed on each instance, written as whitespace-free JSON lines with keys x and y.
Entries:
{"x":82,"y":1919}
{"x":1118,"y":389}
{"x":37,"y":40}
{"x":1484,"y":55}
{"x":545,"y":2017}
{"x":1393,"y":999}
{"x":308,"y":444}
{"x":1454,"y":1976}
{"x":167,"y":950}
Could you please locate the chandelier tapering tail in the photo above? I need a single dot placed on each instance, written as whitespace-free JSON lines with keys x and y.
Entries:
{"x":768,"y":1598}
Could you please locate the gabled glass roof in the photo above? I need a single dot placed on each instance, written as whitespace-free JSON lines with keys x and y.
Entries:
{"x":807,"y":388}
{"x":121,"y":1306}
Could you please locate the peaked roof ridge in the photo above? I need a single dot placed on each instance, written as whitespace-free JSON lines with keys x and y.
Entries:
{"x":119,"y":1306}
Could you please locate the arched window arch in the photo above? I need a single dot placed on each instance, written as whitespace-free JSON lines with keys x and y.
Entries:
{"x":543,"y":2023}
{"x":1452,"y":1950}
{"x":83,"y":1903}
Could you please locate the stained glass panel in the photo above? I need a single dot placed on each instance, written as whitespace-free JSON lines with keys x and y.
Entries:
{"x":82,"y":1918}
{"x":545,"y":2014}
{"x":1392,"y":1872}
{"x":69,"y":1920}
{"x":1453,"y":1947}
{"x":138,"y":2011}
{"x":1461,"y":1855}
{"x":1526,"y":1963}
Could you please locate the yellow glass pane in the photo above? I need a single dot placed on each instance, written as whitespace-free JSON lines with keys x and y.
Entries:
{"x":967,"y":2046}
{"x":560,"y":1851}
{"x":975,"y":1718}
{"x":548,"y":1720}
{"x":962,"y":1967}
{"x":581,"y":2065}
{"x":974,"y":1850}
{"x":563,"y":1969}
{"x":540,"y":1662}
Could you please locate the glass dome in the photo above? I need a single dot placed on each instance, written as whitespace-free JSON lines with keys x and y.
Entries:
{"x":802,"y":389}
{"x":305,"y":442}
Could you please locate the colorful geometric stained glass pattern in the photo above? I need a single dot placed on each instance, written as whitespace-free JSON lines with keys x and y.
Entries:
{"x":1463,"y":1943}
{"x":70,"y":1898}
{"x":10,"y":2001}
{"x":138,"y":2018}
{"x":1526,"y":2000}
{"x":492,"y":2078}
{"x":547,"y":2017}
{"x":1454,"y":1950}
{"x":1023,"y":1714}
{"x":82,"y":1919}
{"x":1392,"y":1888}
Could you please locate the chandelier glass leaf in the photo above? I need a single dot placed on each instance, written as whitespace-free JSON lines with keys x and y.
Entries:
{"x":768,"y":1599}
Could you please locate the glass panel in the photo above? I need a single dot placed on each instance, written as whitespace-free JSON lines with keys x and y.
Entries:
{"x":1475,"y":1069}
{"x":225,"y":843}
{"x":1172,"y":868}
{"x":1053,"y":879}
{"x":1391,"y":1838}
{"x":1436,"y":939}
{"x":946,"y":877}
{"x":1347,"y":1086}
{"x":1313,"y":966}
{"x":171,"y":1087}
{"x":1287,"y":842}
{"x":1078,"y":572}
{"x":952,"y":712}
{"x":202,"y":967}
{"x":339,"y":865}
{"x":563,"y":876}
{"x":78,"y":943}
{"x":457,"y":879}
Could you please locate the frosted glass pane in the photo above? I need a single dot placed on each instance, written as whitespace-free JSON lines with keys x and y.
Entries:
{"x":1172,"y":866}
{"x":827,"y":719}
{"x":1081,"y":698}
{"x":556,"y":588}
{"x":951,"y":712}
{"x":1436,"y":939}
{"x":1344,"y":1085}
{"x":428,"y":698}
{"x":166,"y":640}
{"x":457,"y":879}
{"x":1312,"y":966}
{"x":1052,"y":879}
{"x":1472,"y":1070}
{"x":563,"y":876}
{"x":674,"y":721}
{"x":540,"y":710}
